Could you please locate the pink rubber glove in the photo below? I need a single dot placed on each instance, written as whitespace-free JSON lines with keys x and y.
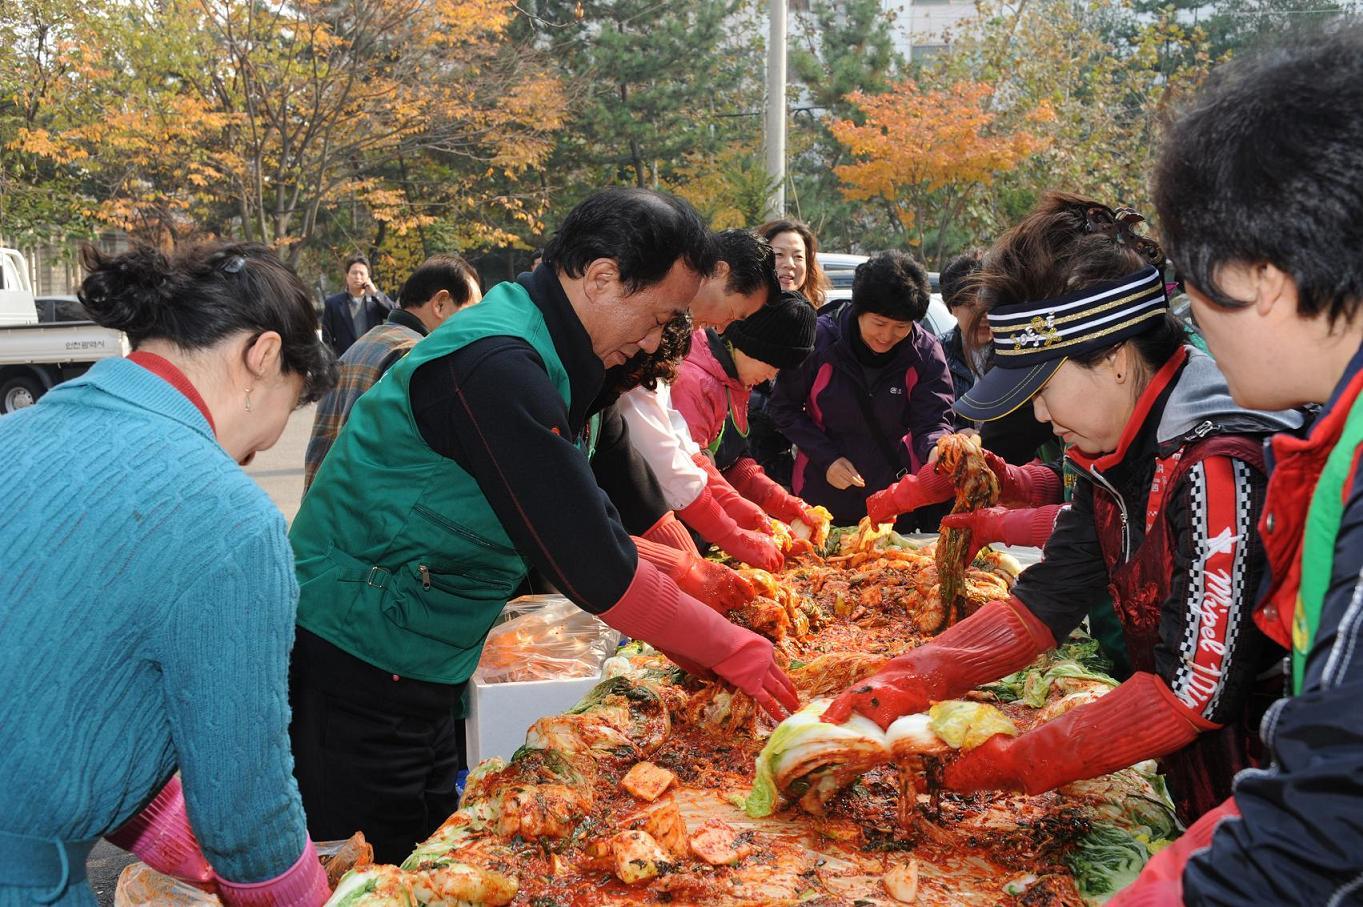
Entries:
{"x":161,"y":837}
{"x":1032,"y":485}
{"x":713,"y":583}
{"x":752,"y":669}
{"x":924,"y":487}
{"x":742,"y":511}
{"x":1160,"y":883}
{"x":304,"y":884}
{"x":750,"y":481}
{"x":999,"y":524}
{"x":655,"y":610}
{"x":790,"y":509}
{"x":752,"y":548}
{"x":669,"y":531}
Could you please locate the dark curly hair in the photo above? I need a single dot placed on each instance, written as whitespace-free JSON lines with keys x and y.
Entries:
{"x":202,"y":294}
{"x":891,"y":284}
{"x":1066,"y":243}
{"x":648,"y":370}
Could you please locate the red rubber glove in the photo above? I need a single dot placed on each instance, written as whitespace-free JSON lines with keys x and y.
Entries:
{"x":752,"y":548}
{"x":304,"y":884}
{"x":161,"y":837}
{"x":752,"y":669}
{"x":1032,"y":485}
{"x":1160,"y":883}
{"x":655,"y":610}
{"x":715,"y":584}
{"x":755,"y":550}
{"x":791,"y":509}
{"x":669,"y":531}
{"x":755,"y":485}
{"x":999,"y":524}
{"x":924,"y":487}
{"x":742,"y":511}
{"x":1141,"y":719}
{"x":1000,"y":638}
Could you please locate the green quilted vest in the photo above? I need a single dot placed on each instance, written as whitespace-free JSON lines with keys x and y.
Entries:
{"x":401,"y":561}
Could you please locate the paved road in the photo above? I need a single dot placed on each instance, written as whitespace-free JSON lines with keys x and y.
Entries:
{"x":279,"y":471}
{"x":105,"y":863}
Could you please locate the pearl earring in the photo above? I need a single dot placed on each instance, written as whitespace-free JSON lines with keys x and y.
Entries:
{"x":248,"y":399}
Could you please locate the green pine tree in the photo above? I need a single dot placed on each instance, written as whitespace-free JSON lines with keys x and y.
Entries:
{"x":837,"y":47}
{"x":649,"y":85}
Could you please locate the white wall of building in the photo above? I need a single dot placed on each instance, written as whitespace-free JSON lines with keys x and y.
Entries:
{"x":923,"y":26}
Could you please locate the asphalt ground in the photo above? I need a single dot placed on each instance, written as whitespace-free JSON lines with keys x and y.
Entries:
{"x":279,"y":471}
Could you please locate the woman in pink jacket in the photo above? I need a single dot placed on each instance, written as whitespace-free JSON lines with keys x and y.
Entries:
{"x":711,"y":393}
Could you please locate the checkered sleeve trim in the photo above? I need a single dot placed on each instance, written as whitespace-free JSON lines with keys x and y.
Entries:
{"x":1219,"y":509}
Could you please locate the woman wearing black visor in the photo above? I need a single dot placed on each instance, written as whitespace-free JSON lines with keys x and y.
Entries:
{"x":1171,"y":486}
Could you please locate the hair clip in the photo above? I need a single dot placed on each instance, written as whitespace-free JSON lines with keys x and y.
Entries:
{"x":1129,"y":216}
{"x":1125,"y":226}
{"x":233,"y":265}
{"x":1099,"y":219}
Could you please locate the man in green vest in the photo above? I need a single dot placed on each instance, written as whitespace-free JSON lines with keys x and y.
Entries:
{"x":452,"y":476}
{"x":1274,"y":267}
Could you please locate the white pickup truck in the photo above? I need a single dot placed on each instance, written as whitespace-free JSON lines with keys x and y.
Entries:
{"x":34,"y":356}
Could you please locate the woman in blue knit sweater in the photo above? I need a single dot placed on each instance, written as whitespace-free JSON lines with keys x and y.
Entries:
{"x":147,"y":609}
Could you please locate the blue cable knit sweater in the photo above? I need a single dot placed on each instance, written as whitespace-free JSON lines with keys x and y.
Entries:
{"x":147,"y":610}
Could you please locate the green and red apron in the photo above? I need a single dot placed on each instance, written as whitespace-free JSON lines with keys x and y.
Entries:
{"x":1300,"y":543}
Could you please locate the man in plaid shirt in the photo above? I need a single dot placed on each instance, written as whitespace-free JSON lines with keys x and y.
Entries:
{"x":441,"y":286}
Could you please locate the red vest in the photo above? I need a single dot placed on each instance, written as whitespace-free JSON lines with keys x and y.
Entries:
{"x":1200,"y":774}
{"x":1140,"y":585}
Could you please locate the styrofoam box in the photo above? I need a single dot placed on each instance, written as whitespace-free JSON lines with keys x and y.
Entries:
{"x":500,"y":713}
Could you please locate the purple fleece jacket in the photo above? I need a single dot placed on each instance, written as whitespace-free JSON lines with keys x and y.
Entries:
{"x":816,"y":406}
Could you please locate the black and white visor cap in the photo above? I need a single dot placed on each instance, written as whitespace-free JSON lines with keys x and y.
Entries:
{"x":1033,"y":339}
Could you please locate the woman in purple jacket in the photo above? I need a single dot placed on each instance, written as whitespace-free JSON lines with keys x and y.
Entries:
{"x":872,"y":400}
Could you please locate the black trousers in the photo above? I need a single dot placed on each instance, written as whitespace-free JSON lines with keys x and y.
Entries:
{"x":372,"y":752}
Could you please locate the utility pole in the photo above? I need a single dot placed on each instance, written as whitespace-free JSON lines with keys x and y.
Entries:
{"x":775,"y":132}
{"x":908,"y":51}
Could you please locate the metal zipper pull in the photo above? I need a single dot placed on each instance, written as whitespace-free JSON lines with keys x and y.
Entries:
{"x":425,"y":576}
{"x":1121,"y":509}
{"x":1126,"y":536}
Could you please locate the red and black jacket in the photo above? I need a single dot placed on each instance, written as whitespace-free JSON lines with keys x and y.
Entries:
{"x":1166,"y":524}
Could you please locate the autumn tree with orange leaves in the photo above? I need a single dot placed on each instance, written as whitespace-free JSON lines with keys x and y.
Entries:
{"x":276,"y":121}
{"x":922,"y":155}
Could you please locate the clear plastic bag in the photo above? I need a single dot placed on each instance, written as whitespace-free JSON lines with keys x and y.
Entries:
{"x":546,"y":638}
{"x":141,"y":886}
